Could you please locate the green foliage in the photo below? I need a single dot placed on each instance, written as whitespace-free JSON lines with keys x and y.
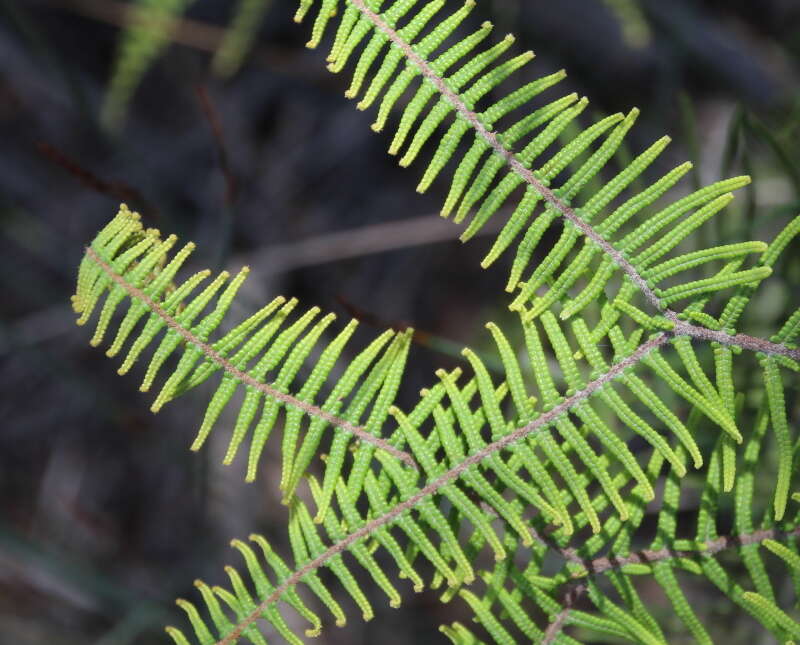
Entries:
{"x":152,"y":23}
{"x":239,"y":37}
{"x":264,"y":343}
{"x":139,"y":47}
{"x":633,"y":23}
{"x":607,"y":396}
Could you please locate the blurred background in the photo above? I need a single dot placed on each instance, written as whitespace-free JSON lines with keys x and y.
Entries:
{"x":105,"y":516}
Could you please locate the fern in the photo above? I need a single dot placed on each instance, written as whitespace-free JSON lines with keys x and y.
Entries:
{"x":151,"y":25}
{"x":132,"y":263}
{"x":541,"y":463}
{"x":239,"y":38}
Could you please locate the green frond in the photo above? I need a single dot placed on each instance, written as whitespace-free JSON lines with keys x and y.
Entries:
{"x":146,"y":37}
{"x":460,"y":635}
{"x":263,"y":354}
{"x":605,"y":395}
{"x":239,"y":36}
{"x":449,"y":99}
{"x":460,"y":408}
{"x":632,"y":21}
{"x":767,"y":608}
{"x":777,"y":409}
{"x":667,"y":559}
{"x":140,"y":45}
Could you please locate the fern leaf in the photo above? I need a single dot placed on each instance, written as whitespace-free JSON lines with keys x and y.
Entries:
{"x":239,"y":36}
{"x":139,"y":47}
{"x":577,"y":200}
{"x":556,"y":432}
{"x":126,"y":262}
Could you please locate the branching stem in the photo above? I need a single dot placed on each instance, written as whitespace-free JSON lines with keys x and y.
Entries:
{"x":541,"y":422}
{"x":681,"y":329}
{"x":647,"y":556}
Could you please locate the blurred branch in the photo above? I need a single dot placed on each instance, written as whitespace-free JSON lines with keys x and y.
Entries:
{"x":117,"y":189}
{"x":423,"y":338}
{"x":231,"y":184}
{"x":366,"y":240}
{"x":185,"y":31}
{"x":210,"y":112}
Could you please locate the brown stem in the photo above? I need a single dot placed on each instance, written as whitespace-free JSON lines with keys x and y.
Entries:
{"x":214,"y":356}
{"x":711,"y":547}
{"x":744,"y":341}
{"x":119,"y":190}
{"x":210,"y":112}
{"x":648,"y":556}
{"x":570,"y":599}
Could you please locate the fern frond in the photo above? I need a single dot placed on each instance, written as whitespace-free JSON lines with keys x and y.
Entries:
{"x":127,"y":262}
{"x":633,"y":23}
{"x":611,"y":394}
{"x":140,"y":45}
{"x":624,"y":614}
{"x":239,"y":36}
{"x":487,"y":450}
{"x":452,"y":82}
{"x":616,"y":606}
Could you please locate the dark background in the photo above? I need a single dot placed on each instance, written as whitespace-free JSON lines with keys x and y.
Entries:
{"x":105,"y":516}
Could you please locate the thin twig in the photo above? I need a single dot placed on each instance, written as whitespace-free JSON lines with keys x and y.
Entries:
{"x":210,"y":112}
{"x":214,"y":356}
{"x":403,"y":233}
{"x":648,"y":556}
{"x":118,"y":190}
{"x":569,"y":600}
{"x":711,"y":547}
{"x":744,"y":341}
{"x":421,"y":337}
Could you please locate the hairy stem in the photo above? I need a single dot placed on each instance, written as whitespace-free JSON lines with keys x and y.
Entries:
{"x":744,"y":341}
{"x":244,"y":377}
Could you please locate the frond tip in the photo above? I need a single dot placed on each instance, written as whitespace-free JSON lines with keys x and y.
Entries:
{"x":264,"y":353}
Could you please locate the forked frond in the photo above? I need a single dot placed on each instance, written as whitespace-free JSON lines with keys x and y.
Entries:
{"x":492,"y":452}
{"x":617,"y":383}
{"x":596,"y":592}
